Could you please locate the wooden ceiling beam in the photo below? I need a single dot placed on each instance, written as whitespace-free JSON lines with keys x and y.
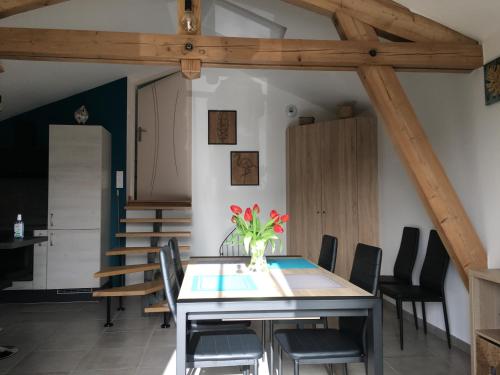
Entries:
{"x":137,"y":48}
{"x":440,"y":199}
{"x":11,"y":7}
{"x":388,"y":17}
{"x":196,"y":15}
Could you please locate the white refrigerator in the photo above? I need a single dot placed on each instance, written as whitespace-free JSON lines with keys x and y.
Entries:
{"x":79,"y":205}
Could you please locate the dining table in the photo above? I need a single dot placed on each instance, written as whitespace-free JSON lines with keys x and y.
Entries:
{"x":222,"y":288}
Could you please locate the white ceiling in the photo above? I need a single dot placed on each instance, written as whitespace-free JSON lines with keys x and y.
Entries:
{"x":26,"y":84}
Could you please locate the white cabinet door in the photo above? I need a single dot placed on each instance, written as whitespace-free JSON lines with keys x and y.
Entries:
{"x":75,"y":177}
{"x":73,"y":257}
{"x":40,"y":265}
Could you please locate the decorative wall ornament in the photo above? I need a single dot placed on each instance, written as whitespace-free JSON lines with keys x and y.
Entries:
{"x":222,"y":127}
{"x":244,"y":168}
{"x":81,"y":115}
{"x":492,"y":81}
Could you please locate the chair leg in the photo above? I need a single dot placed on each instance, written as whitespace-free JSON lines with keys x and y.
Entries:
{"x":271,"y":347}
{"x":280,"y":361}
{"x":445,"y":313}
{"x":263,"y":333}
{"x":295,"y":367}
{"x":424,"y":317}
{"x":346,"y":369}
{"x":397,"y":309}
{"x":415,"y":317}
{"x":382,"y":304}
{"x":246,"y":371}
{"x":399,"y":305}
{"x":256,"y":367}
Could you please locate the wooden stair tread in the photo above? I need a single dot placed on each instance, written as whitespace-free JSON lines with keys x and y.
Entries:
{"x":167,"y":220}
{"x":122,"y":270}
{"x":142,"y":289}
{"x":153,"y":234}
{"x":155,"y":205}
{"x":159,"y":307}
{"x":141,"y":250}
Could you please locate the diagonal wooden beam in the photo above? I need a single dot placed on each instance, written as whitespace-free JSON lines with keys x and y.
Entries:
{"x":11,"y":7}
{"x":388,"y":17}
{"x":196,"y":12}
{"x":137,"y":48}
{"x":437,"y":193}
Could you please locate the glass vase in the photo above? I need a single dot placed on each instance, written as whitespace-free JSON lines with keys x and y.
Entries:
{"x":258,"y":262}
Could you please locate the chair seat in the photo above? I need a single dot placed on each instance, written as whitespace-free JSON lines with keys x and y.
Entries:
{"x":410,"y":293}
{"x":223,"y":346}
{"x":303,"y":344}
{"x":386,"y":279}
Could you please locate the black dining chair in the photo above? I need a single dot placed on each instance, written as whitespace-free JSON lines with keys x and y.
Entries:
{"x":431,"y":288}
{"x":345,"y":344}
{"x":405,"y":261}
{"x":173,"y":244}
{"x":328,"y":253}
{"x":218,"y":348}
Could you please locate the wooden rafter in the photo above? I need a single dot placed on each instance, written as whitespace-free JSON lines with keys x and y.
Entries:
{"x":437,"y":193}
{"x":11,"y":7}
{"x":137,"y":48}
{"x":389,"y":17}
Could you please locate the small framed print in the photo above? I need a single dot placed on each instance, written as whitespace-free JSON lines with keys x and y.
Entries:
{"x":244,"y":168}
{"x":492,"y":81}
{"x":222,"y":127}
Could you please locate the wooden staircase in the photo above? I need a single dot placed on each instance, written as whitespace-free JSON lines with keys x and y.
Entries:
{"x":171,"y":216}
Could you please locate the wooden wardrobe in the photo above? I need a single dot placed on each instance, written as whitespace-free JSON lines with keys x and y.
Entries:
{"x":332,"y":187}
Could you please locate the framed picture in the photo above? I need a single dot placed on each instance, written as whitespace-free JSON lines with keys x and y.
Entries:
{"x":221,"y":127}
{"x":492,"y":81}
{"x":244,"y":168}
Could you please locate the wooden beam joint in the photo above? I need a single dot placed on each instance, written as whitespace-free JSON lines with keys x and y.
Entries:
{"x":191,"y":69}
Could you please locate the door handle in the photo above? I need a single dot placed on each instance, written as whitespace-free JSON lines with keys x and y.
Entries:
{"x":51,"y":219}
{"x":140,"y":130}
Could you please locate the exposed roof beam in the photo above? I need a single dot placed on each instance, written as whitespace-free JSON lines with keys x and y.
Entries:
{"x":388,"y":17}
{"x":11,"y":7}
{"x":191,"y":69}
{"x":196,"y":13}
{"x":137,"y":48}
{"x":405,"y":130}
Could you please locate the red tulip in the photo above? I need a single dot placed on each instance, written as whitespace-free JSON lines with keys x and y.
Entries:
{"x":278,"y":228}
{"x":248,"y":214}
{"x":256,"y":208}
{"x":274,"y":214}
{"x":233,"y":219}
{"x":285,"y":218}
{"x":236,"y":209}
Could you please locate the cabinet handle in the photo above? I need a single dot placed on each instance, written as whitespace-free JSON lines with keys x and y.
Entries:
{"x":324,"y":212}
{"x":51,"y":219}
{"x":51,"y":237}
{"x":318,"y":212}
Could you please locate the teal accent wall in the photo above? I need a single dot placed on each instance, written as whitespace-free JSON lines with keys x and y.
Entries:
{"x":24,"y":153}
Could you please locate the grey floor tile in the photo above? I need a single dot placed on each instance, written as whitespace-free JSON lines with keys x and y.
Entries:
{"x":157,"y":357}
{"x":136,"y":324}
{"x":111,"y":359}
{"x":76,"y":341}
{"x":131,"y":339}
{"x":44,"y":362}
{"x":131,"y":371}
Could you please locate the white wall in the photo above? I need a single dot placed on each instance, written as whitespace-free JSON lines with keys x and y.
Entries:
{"x":465,"y":135}
{"x":261,"y":123}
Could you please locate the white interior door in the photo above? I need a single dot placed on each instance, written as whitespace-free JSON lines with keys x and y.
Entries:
{"x":164,"y":140}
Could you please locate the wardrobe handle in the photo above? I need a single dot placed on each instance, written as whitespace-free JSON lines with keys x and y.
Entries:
{"x":51,"y":219}
{"x":51,"y":242}
{"x":324,"y":212}
{"x":318,"y":212}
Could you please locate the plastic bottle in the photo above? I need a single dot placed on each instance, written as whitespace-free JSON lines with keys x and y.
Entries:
{"x":19,"y":227}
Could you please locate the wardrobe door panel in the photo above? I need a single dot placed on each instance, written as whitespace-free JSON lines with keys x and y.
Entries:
{"x":339,"y":189}
{"x":304,"y":230}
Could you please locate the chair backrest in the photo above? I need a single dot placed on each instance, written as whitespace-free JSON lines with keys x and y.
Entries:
{"x":408,"y":249}
{"x":231,"y":249}
{"x":435,"y":266}
{"x":365,"y":273}
{"x":176,"y":256}
{"x":328,"y":253}
{"x":169,"y":279}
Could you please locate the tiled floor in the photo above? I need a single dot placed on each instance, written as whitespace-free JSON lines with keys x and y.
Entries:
{"x":69,"y":339}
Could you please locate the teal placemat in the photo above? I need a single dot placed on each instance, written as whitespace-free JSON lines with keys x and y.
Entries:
{"x":289,"y":263}
{"x":223,"y":283}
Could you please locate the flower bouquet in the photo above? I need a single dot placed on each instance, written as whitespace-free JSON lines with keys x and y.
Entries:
{"x":255,"y":236}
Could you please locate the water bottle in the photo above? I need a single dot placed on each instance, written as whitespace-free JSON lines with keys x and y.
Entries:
{"x":19,"y":227}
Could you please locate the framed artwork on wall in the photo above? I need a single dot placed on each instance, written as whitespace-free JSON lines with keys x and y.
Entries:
{"x":244,"y":168}
{"x":222,"y":127}
{"x":492,"y":81}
